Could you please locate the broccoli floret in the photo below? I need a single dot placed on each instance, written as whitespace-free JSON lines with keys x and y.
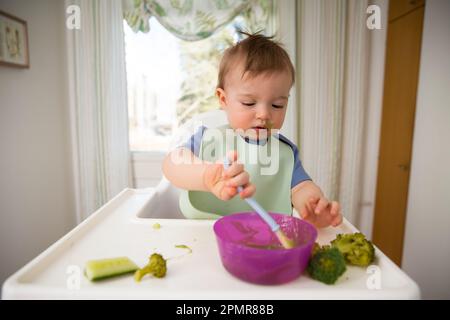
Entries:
{"x":156,"y":266}
{"x":357,"y":250}
{"x":315,"y":249}
{"x":327,"y":264}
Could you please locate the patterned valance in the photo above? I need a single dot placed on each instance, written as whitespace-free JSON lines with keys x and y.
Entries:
{"x":192,"y":19}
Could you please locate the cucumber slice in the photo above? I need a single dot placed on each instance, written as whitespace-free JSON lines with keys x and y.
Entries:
{"x":105,"y":268}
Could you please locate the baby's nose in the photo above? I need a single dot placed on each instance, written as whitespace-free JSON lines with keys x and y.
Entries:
{"x":263,"y":112}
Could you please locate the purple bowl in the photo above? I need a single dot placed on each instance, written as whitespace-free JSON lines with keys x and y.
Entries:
{"x":251,"y":251}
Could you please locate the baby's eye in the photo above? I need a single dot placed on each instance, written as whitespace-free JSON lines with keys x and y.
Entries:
{"x":248,"y":104}
{"x":277,"y":106}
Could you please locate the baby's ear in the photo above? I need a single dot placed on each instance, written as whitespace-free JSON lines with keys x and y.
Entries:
{"x":220,"y":93}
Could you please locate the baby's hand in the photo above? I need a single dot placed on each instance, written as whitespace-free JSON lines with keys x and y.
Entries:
{"x":224,"y":183}
{"x":322,"y":213}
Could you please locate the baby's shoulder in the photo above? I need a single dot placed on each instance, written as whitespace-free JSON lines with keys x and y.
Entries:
{"x":199,"y":132}
{"x":288,"y":142}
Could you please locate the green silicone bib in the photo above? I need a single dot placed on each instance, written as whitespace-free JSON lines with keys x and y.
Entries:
{"x":270,"y":167}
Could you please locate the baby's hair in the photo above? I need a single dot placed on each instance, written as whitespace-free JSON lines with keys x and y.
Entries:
{"x":261,"y":54}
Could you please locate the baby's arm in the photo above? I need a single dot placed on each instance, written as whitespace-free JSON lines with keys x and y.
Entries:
{"x":186,"y":171}
{"x":313,"y":207}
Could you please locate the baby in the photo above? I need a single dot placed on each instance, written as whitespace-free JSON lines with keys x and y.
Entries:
{"x":255,"y":78}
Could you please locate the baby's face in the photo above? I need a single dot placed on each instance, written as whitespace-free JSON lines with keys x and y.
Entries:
{"x":258,"y":102}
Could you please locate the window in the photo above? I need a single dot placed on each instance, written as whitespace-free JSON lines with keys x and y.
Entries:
{"x":170,"y":80}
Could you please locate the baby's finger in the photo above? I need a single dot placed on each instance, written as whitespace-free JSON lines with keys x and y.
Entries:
{"x":241,"y":179}
{"x":232,"y":155}
{"x":233,"y":170}
{"x":323,"y":203}
{"x":311,"y":205}
{"x":335,"y":208}
{"x":337,"y":221}
{"x":231,"y":191}
{"x":304,"y":212}
{"x":313,"y":201}
{"x":248,"y":191}
{"x":226,"y":194}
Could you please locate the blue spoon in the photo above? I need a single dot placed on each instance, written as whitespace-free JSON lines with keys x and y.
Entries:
{"x":274,"y":226}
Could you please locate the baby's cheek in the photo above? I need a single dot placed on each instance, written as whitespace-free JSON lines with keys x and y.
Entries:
{"x":240,"y":120}
{"x":278,"y":121}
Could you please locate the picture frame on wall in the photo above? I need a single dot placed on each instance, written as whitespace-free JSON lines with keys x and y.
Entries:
{"x":13,"y":41}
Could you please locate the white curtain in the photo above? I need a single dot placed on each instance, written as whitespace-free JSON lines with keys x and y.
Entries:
{"x":98,"y":110}
{"x":332,"y":61}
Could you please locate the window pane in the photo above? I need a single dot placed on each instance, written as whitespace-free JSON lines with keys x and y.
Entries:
{"x":170,"y":80}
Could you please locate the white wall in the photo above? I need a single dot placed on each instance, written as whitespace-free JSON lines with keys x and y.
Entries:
{"x":426,"y":255}
{"x":36,"y":203}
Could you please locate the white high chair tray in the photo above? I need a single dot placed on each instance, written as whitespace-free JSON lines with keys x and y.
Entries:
{"x":116,"y":230}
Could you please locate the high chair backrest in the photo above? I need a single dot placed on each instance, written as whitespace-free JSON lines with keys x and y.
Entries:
{"x":210,"y":119}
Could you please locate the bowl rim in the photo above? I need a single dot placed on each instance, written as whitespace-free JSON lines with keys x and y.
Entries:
{"x":300,"y":247}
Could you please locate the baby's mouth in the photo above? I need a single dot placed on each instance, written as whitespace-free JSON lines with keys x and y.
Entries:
{"x":260,"y":132}
{"x":267,"y":126}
